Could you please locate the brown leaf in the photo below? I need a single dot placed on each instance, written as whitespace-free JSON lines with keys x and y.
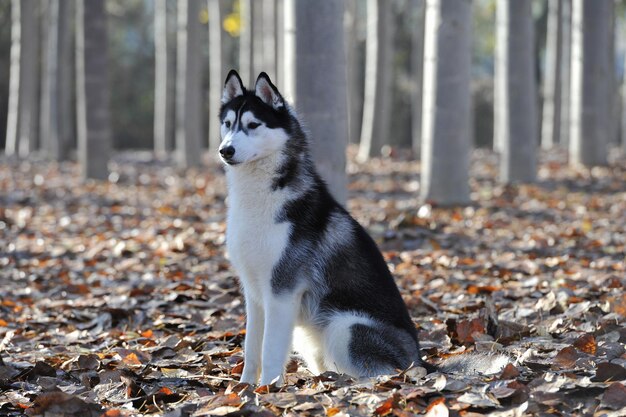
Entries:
{"x":62,"y":404}
{"x":509,"y":372}
{"x":89,"y":362}
{"x":614,"y":397}
{"x":466,"y":329}
{"x":586,"y":343}
{"x":567,"y":357}
{"x":437,"y":408}
{"x":386,"y":407}
{"x":237,"y":369}
{"x":332,"y":411}
{"x":607,"y":371}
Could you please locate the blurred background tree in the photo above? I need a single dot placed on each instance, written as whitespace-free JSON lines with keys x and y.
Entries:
{"x":251,"y":35}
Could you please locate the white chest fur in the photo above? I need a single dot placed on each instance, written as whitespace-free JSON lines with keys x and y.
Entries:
{"x":254,"y":240}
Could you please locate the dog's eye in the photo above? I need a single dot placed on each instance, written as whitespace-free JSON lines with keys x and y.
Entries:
{"x":227,"y":124}
{"x":253,"y":125}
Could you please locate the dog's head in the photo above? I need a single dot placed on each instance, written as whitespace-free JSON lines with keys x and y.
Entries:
{"x":252,"y":122}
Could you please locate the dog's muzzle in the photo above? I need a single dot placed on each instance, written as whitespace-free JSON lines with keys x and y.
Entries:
{"x":227,"y":153}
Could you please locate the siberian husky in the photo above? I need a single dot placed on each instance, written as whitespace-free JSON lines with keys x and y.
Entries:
{"x":313,"y":280}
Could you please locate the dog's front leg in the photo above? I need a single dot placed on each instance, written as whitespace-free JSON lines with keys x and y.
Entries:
{"x":280,"y":319}
{"x":253,"y":341}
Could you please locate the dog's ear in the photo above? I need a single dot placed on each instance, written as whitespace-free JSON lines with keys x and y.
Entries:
{"x":233,"y":87}
{"x":267,"y":92}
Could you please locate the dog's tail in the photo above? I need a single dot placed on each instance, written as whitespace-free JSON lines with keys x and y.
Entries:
{"x":474,"y":364}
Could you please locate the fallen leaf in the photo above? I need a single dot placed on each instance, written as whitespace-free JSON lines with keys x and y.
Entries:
{"x":586,"y":343}
{"x":614,"y":397}
{"x":606,"y":372}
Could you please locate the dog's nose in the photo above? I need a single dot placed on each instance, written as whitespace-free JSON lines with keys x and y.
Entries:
{"x":227,"y":152}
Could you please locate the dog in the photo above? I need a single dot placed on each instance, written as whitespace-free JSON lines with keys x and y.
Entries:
{"x":313,"y":280}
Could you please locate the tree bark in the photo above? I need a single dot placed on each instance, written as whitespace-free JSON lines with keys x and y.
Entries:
{"x":92,"y":91}
{"x":590,"y":114}
{"x":28,"y":139}
{"x":267,"y":37}
{"x":355,"y":99}
{"x":279,"y":39}
{"x":518,"y":109}
{"x":551,"y":121}
{"x":22,"y":109}
{"x":56,"y":118}
{"x":378,"y":72}
{"x":15,"y":84}
{"x":246,"y":42}
{"x":316,"y":78}
{"x":499,"y":68}
{"x":418,"y":76}
{"x":188,"y":85}
{"x":163,"y":109}
{"x":446,"y":106}
{"x":216,"y":72}
{"x":623,"y":111}
{"x":566,"y":70}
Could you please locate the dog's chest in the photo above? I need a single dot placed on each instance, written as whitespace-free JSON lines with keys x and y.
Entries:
{"x":254,"y":240}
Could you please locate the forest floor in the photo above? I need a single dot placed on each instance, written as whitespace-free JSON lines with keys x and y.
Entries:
{"x":116,"y":298}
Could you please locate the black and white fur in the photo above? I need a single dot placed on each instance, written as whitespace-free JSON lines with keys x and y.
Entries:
{"x":313,"y":280}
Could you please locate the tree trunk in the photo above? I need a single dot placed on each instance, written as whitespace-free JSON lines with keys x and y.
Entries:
{"x":163,"y":109}
{"x":246,"y":41}
{"x":499,"y":68}
{"x":551,"y":121}
{"x":92,"y":90}
{"x":267,"y":39}
{"x":355,"y":98}
{"x":15,"y":85}
{"x":613,"y":88}
{"x":590,"y":120}
{"x":29,"y":78}
{"x":378,"y":72}
{"x":518,"y":109}
{"x":22,"y":110}
{"x":623,"y":111}
{"x":446,"y":106}
{"x":216,"y":72}
{"x":279,"y":39}
{"x":315,"y":58}
{"x":188,"y":85}
{"x":418,"y":76}
{"x":56,"y":118}
{"x":566,"y":71}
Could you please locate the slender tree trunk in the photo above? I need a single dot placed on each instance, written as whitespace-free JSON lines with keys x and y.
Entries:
{"x":55,"y":122}
{"x":267,"y":38}
{"x":279,"y":38}
{"x":378,"y":72}
{"x":499,"y":69}
{"x":29,"y":78}
{"x":216,"y":72}
{"x":22,"y":114}
{"x":623,"y":111}
{"x":566,"y":70}
{"x":418,"y":76}
{"x":162,"y":93}
{"x":92,"y":101}
{"x":590,"y":121}
{"x":613,"y":89}
{"x":317,"y":70}
{"x":188,"y":85}
{"x":446,"y":106}
{"x":518,"y":109}
{"x":351,"y":45}
{"x":15,"y":84}
{"x":551,"y":121}
{"x":246,"y":42}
